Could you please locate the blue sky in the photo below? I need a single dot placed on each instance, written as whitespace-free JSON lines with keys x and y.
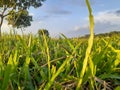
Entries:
{"x":70,"y":17}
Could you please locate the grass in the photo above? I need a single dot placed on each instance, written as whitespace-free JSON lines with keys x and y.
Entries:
{"x":88,"y":50}
{"x":24,"y":63}
{"x":41,"y":63}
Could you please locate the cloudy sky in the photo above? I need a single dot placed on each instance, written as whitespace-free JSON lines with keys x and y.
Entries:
{"x":70,"y":17}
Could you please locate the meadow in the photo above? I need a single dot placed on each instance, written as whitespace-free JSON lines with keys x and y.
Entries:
{"x":41,"y":63}
{"x":33,"y":62}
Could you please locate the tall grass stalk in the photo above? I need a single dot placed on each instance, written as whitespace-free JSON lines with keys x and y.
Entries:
{"x":90,"y":44}
{"x":48,"y":54}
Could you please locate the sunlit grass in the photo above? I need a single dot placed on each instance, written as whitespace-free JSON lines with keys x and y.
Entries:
{"x":41,"y":63}
{"x":24,"y":63}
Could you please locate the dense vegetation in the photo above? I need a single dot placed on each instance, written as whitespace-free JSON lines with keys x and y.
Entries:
{"x":29,"y":62}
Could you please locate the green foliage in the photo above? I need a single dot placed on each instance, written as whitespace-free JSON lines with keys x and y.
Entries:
{"x":42,"y":32}
{"x":21,"y":4}
{"x":19,"y":20}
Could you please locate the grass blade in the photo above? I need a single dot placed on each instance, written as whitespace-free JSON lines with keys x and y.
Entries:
{"x":90,"y":44}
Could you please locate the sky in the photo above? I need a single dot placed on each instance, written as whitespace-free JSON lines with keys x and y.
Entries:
{"x":70,"y":17}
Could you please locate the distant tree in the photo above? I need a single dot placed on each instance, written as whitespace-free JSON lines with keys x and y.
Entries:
{"x":23,"y":19}
{"x":16,"y":12}
{"x":42,"y":32}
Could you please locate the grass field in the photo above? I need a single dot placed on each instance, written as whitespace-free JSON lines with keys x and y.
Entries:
{"x":34,"y":63}
{"x":30,"y":62}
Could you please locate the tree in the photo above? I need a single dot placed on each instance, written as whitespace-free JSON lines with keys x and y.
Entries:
{"x":16,"y":12}
{"x":43,"y":31}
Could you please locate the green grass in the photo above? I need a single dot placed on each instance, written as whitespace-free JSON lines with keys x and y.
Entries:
{"x":24,"y":63}
{"x":87,"y":58}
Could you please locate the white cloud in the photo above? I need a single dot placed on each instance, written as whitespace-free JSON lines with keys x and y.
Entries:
{"x":112,"y":17}
{"x":107,"y":17}
{"x":107,"y":21}
{"x":104,"y":22}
